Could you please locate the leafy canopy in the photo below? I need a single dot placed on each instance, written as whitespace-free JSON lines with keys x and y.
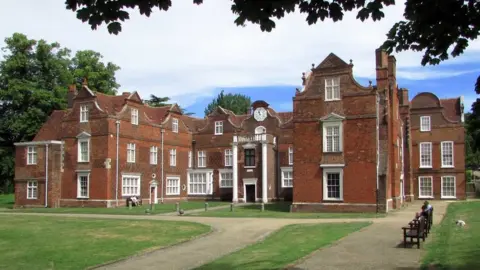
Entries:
{"x":237,"y":103}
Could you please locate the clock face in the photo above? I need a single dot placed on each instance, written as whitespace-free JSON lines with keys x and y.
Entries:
{"x":260,"y":114}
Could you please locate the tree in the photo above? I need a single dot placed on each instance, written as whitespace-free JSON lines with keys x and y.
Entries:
{"x":155,"y":101}
{"x":101,"y":77}
{"x":237,"y":103}
{"x":34,"y":78}
{"x":472,"y":132}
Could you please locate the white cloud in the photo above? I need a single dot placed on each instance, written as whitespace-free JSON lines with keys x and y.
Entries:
{"x":429,"y":74}
{"x":190,"y":50}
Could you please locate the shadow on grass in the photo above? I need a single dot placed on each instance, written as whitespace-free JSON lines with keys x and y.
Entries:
{"x":283,"y":207}
{"x":470,"y":261}
{"x":256,"y":265}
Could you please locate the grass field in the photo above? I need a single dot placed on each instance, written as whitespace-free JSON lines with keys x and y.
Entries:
{"x":285,"y":246}
{"x":6,"y":202}
{"x":454,"y":247}
{"x":70,"y":243}
{"x":278,"y":210}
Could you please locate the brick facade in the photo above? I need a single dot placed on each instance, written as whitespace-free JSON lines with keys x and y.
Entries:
{"x":345,"y":147}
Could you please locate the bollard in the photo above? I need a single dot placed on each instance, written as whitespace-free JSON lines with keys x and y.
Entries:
{"x":177,"y":206}
{"x":206,"y":206}
{"x":291,"y":208}
{"x":130,"y":205}
{"x":263,"y":207}
{"x":151,"y":207}
{"x":231,"y":207}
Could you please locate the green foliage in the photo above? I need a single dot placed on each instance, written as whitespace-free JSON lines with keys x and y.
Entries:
{"x":237,"y":103}
{"x":34,"y":78}
{"x":155,"y":101}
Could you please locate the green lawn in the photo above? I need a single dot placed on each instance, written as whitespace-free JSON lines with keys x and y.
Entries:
{"x":285,"y":246}
{"x":453,"y":247}
{"x":7,"y":200}
{"x":72,"y":243}
{"x":277,"y":210}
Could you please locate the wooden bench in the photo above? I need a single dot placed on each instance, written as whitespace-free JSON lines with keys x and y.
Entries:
{"x":415,"y":231}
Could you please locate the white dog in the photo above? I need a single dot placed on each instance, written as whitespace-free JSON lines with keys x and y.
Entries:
{"x":460,"y":223}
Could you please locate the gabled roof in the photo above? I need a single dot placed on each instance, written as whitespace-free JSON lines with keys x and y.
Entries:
{"x":451,"y":108}
{"x":332,"y":117}
{"x":110,"y":104}
{"x":332,"y":61}
{"x":52,"y":128}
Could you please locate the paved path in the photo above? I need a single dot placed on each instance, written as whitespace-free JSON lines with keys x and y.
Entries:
{"x":379,"y":246}
{"x":371,"y":248}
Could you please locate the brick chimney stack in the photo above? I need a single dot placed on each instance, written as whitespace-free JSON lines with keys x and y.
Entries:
{"x":71,"y":94}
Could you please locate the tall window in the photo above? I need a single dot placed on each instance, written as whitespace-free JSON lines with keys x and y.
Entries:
{"x":332,"y":89}
{"x":175,"y":125}
{"x":198,"y":183}
{"x":218,"y":127}
{"x":153,"y":155}
{"x":448,"y":187}
{"x":228,"y":157}
{"x":82,"y":185}
{"x":333,"y":184}
{"x":130,"y":185}
{"x":290,"y":155}
{"x":31,"y":155}
{"x":226,"y":179}
{"x":131,"y":153}
{"x":250,"y":157}
{"x":332,"y":138}
{"x":173,"y":185}
{"x":424,"y":123}
{"x":447,"y":154}
{"x":83,"y":150}
{"x":287,"y":178}
{"x":189,"y":159}
{"x":83,"y":113}
{"x":32,"y":190}
{"x":425,"y":187}
{"x":202,"y":159}
{"x":173,"y":157}
{"x":425,"y":155}
{"x":134,"y":116}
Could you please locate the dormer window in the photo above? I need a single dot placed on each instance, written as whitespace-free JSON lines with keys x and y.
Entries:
{"x":83,"y":113}
{"x":218,"y":127}
{"x":424,"y":123}
{"x":134,"y":116}
{"x":175,"y":125}
{"x":332,"y":89}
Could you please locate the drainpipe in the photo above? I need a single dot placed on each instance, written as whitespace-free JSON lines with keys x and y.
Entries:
{"x":378,"y":145}
{"x":162,"y":131}
{"x":116,"y":165}
{"x":46,"y":175}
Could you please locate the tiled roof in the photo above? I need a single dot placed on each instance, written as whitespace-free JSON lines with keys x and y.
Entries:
{"x":156,"y":114}
{"x":451,"y":109}
{"x":193,"y":123}
{"x":52,"y":128}
{"x":110,"y":104}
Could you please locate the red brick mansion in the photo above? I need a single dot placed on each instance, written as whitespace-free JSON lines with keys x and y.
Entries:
{"x":345,"y":147}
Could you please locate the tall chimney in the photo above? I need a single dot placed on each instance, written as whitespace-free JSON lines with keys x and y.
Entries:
{"x":71,"y":94}
{"x":381,"y":60}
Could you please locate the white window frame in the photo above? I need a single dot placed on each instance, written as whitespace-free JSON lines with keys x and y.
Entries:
{"x":132,"y":186}
{"x":175,"y":125}
{"x":325,"y":180}
{"x":190,"y":159}
{"x":208,"y":182}
{"x":172,"y":189}
{"x":79,"y":185}
{"x":83,"y":114}
{"x":218,"y":127}
{"x":332,"y":85}
{"x":288,"y":170}
{"x":79,"y":146}
{"x":290,"y":155}
{"x":427,"y":126}
{"x":422,"y":165}
{"x":153,"y":155}
{"x":134,"y":116}
{"x":442,"y":156}
{"x":228,"y":157}
{"x":32,"y":190}
{"x":31,"y":155}
{"x":222,"y":182}
{"x":173,"y":157}
{"x":423,"y":196}
{"x":202,"y":156}
{"x":443,"y":196}
{"x":327,"y":125}
{"x":131,"y":152}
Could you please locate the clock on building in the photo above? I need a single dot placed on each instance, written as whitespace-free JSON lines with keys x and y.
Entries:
{"x":260,"y":114}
